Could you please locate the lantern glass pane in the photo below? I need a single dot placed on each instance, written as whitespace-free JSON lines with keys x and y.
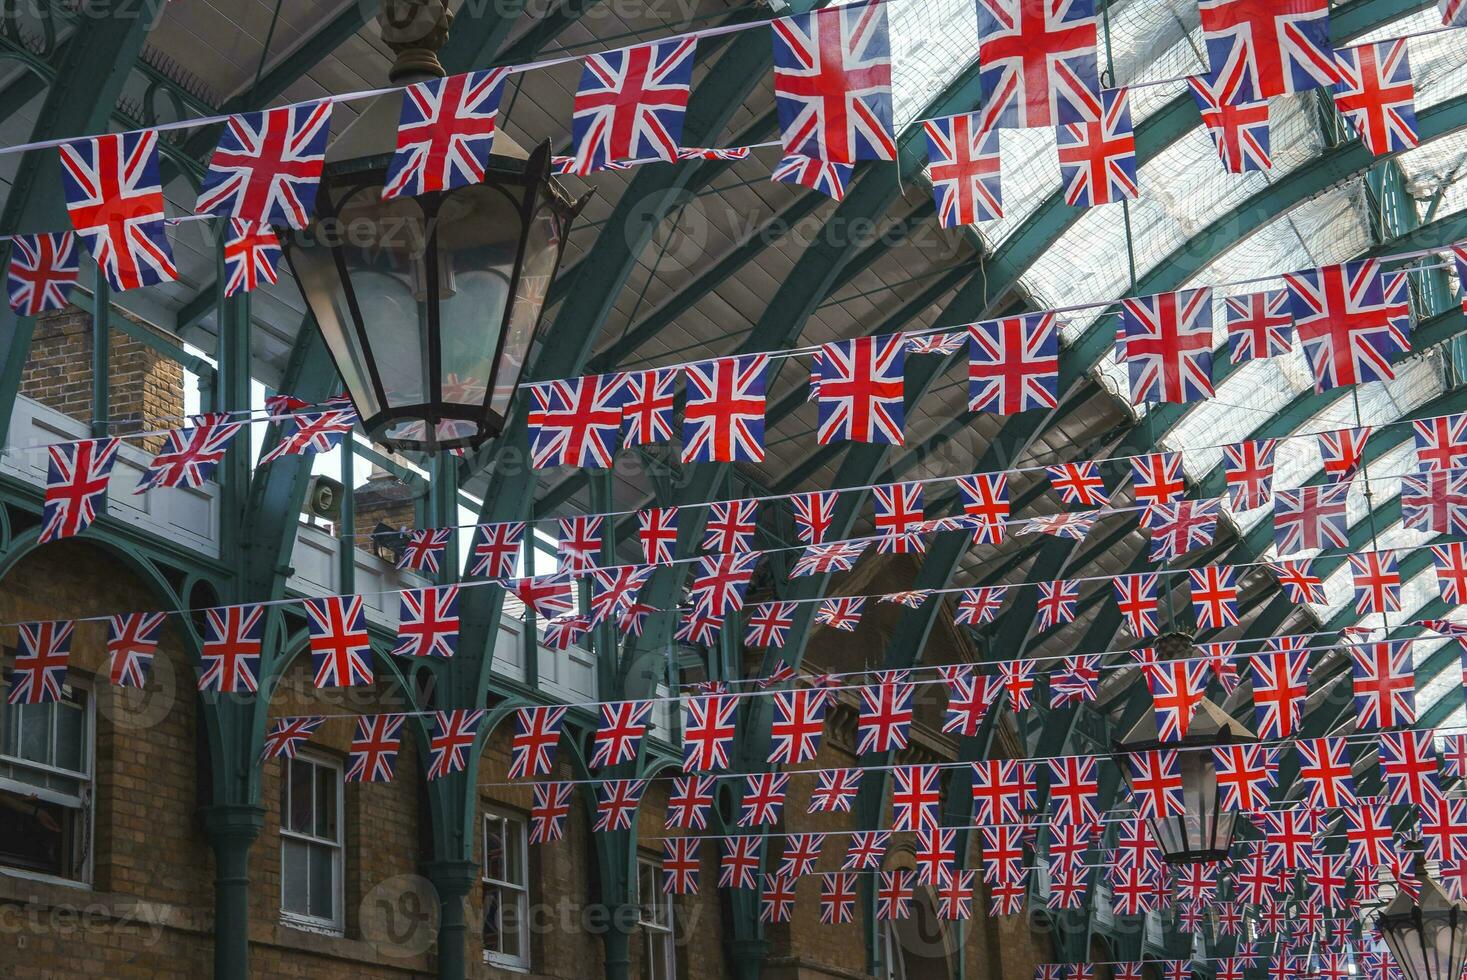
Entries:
{"x":542,"y":254}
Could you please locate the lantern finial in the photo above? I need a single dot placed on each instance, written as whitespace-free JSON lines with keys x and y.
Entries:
{"x":415,"y":30}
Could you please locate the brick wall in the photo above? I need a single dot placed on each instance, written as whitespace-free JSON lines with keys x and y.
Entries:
{"x":145,"y":387}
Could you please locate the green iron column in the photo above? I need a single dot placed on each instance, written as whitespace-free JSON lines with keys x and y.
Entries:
{"x":232,"y":830}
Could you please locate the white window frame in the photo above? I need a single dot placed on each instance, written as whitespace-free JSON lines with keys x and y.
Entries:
{"x":514,"y":825}
{"x":83,"y":801}
{"x":656,"y":934}
{"x":335,"y":925}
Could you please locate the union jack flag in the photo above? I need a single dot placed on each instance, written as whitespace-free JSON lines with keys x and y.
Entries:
{"x":718,"y":588}
{"x":1222,"y":657}
{"x":629,"y":105}
{"x":799,"y":719}
{"x":708,"y":731}
{"x":1409,"y":767}
{"x":1384,"y":685}
{"x":894,"y":895}
{"x":813,"y":515}
{"x":769,"y":624}
{"x":835,"y":790}
{"x":1037,"y":61}
{"x":579,"y":545}
{"x":837,"y":897}
{"x":763,"y":798}
{"x":536,"y":733}
{"x":1451,"y":572}
{"x":1003,"y":790}
{"x":979,"y":606}
{"x":549,"y":807}
{"x":76,"y":483}
{"x":955,"y":895}
{"x":860,"y":394}
{"x":424,"y":548}
{"x":495,"y":549}
{"x":1343,"y":452}
{"x":284,"y":738}
{"x":1441,"y":442}
{"x":1016,"y":679}
{"x":1344,"y":321}
{"x":828,"y":178}
{"x":898,"y":511}
{"x":547,"y":596}
{"x":985,"y":499}
{"x":1238,"y":125}
{"x":680,"y":866}
{"x":1057,"y":602}
{"x":1214,"y":596}
{"x":915,"y":796}
{"x":373,"y":750}
{"x":801,"y":852}
{"x":1377,"y":96}
{"x":1454,"y":12}
{"x":1156,"y":783}
{"x":731,"y":526}
{"x":1435,"y":501}
{"x":445,"y":130}
{"x":1166,"y":341}
{"x":43,"y":272}
{"x":115,"y":201}
{"x":1078,"y":484}
{"x":1176,"y":689}
{"x":1013,"y":364}
{"x":934,"y":854}
{"x":647,"y":410}
{"x":723,"y":420}
{"x":40,"y":664}
{"x":563,"y":166}
{"x":341,"y":650}
{"x":1277,"y":49}
{"x":563,"y":632}
{"x":1377,"y":581}
{"x":453,"y":735}
{"x":1280,"y":685}
{"x":690,"y":801}
{"x":777,"y":900}
{"x":1325,"y":770}
{"x":1248,"y":471}
{"x":657,"y":532}
{"x":843,"y":613}
{"x":233,"y":641}
{"x":885,"y":718}
{"x":832,"y":84}
{"x":132,"y":640}
{"x":267,"y":166}
{"x":1245,"y":775}
{"x":1156,"y":478}
{"x":190,"y":456}
{"x":1175,"y":529}
{"x":623,"y":723}
{"x":616,"y":804}
{"x":725,"y":153}
{"x":1098,"y":158}
{"x":614,"y":591}
{"x":910,"y":598}
{"x":1310,"y":518}
{"x":1259,"y":325}
{"x":968,"y":698}
{"x":320,"y":432}
{"x":838,"y":556}
{"x":963,"y":165}
{"x":945,"y":344}
{"x":1003,"y":853}
{"x":576,"y":422}
{"x":1075,"y":681}
{"x":1073,"y":788}
{"x":1444,"y":829}
{"x":251,"y":253}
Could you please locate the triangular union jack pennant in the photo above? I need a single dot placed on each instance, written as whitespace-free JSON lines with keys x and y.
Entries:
{"x":629,"y":104}
{"x":341,"y":649}
{"x":190,"y":456}
{"x":1259,"y":325}
{"x":1343,"y":451}
{"x":233,"y":642}
{"x":284,"y":738}
{"x":708,"y":731}
{"x":979,"y":606}
{"x":1441,"y":443}
{"x":616,"y":804}
{"x":985,"y":499}
{"x":576,"y":422}
{"x":1245,"y":776}
{"x":1435,"y":501}
{"x":963,"y":165}
{"x":1038,"y":62}
{"x":1075,"y":681}
{"x":832,"y":84}
{"x":1156,"y":478}
{"x":550,"y":805}
{"x":1408,"y":765}
{"x":689,"y":802}
{"x":1310,"y":518}
{"x":1057,"y":602}
{"x":1326,"y":772}
{"x":723,"y":420}
{"x":373,"y":751}
{"x":1377,"y":96}
{"x":623,"y":724}
{"x":132,"y":641}
{"x":1238,"y":125}
{"x":835,"y":790}
{"x":813,"y":515}
{"x":647,"y":411}
{"x":1214,"y":596}
{"x":898,"y":513}
{"x":536,"y":733}
{"x":731,"y":526}
{"x":1177,"y":687}
{"x":1384,"y":685}
{"x":41,"y":661}
{"x":314,"y":433}
{"x":1013,"y":364}
{"x":1278,"y":48}
{"x":453,"y":736}
{"x":445,"y":131}
{"x":1178,"y":528}
{"x":43,"y":272}
{"x":424,"y":550}
{"x":1166,"y":342}
{"x":251,"y":253}
{"x":1344,"y":323}
{"x":1248,"y":471}
{"x":1280,"y":685}
{"x":860,"y":396}
{"x":76,"y":483}
{"x":267,"y":166}
{"x":495,"y":549}
{"x":1451,"y":571}
{"x":1098,"y":159}
{"x":1156,"y":783}
{"x":115,"y":200}
{"x":1078,"y":484}
{"x":830,"y":179}
{"x":1377,"y":581}
{"x":1297,"y":581}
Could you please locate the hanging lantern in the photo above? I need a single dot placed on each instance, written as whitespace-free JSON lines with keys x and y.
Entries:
{"x":1203,"y":831}
{"x":429,"y":305}
{"x":1428,"y":937}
